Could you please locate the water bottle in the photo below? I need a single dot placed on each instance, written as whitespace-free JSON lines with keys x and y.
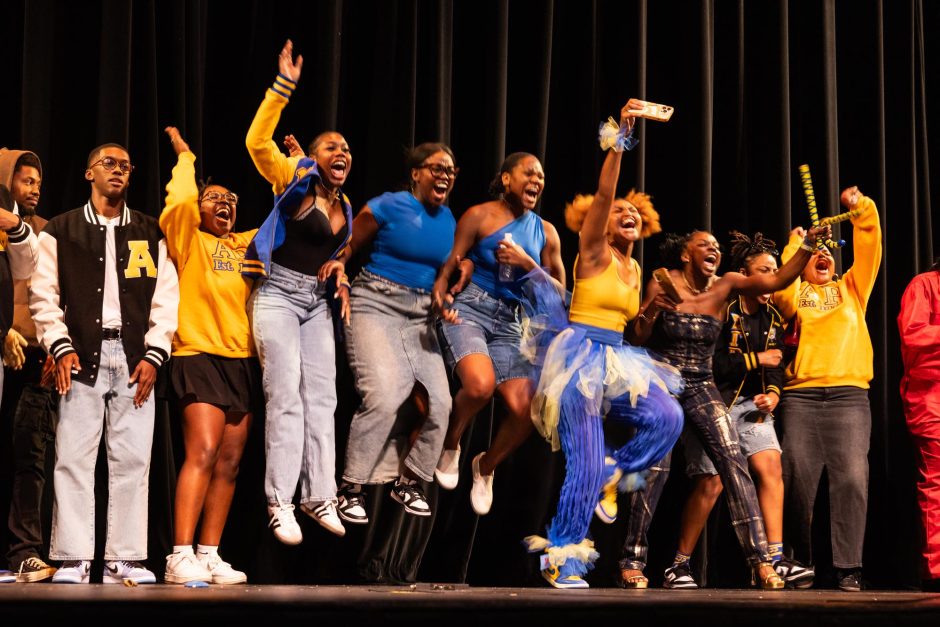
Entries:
{"x":506,"y":271}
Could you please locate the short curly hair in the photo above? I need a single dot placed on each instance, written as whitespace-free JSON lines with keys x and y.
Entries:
{"x":576,"y":210}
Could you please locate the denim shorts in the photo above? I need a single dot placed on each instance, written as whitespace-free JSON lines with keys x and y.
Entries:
{"x":489,"y":326}
{"x":753,"y":438}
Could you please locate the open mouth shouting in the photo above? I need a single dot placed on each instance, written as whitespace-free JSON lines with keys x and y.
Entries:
{"x":223,"y":213}
{"x":710,"y":263}
{"x":439,"y":191}
{"x":338,"y":169}
{"x":530,"y":195}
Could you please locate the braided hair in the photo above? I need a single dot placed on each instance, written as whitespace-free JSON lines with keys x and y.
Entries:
{"x":743,"y":248}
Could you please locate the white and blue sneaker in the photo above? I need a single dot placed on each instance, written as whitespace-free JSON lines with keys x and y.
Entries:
{"x":564,"y":576}
{"x":73,"y":571}
{"x":117,"y":571}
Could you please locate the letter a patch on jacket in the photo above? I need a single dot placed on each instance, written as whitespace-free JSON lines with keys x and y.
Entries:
{"x":138,"y":259}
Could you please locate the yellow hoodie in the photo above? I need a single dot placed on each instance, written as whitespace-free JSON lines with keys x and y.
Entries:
{"x":213,"y":293}
{"x":835,"y":347}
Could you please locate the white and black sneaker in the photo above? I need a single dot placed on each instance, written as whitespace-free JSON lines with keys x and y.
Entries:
{"x":678,"y":577}
{"x":795,"y":575}
{"x":73,"y":571}
{"x":412,"y":498}
{"x":325,"y":514}
{"x":119,"y":571}
{"x":351,"y":505}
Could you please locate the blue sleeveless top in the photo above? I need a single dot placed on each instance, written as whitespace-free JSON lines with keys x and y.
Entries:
{"x":528,"y":232}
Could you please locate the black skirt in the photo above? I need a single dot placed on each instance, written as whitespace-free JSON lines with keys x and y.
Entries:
{"x":231,"y":383}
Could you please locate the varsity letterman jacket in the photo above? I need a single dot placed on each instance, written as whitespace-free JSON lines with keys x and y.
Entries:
{"x":737,"y":370}
{"x":67,"y":292}
{"x":291,"y":178}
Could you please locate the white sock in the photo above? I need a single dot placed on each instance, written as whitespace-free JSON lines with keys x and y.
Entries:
{"x":206,"y":549}
{"x":182,"y":548}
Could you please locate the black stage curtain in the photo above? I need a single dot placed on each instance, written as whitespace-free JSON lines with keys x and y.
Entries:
{"x":758,"y":87}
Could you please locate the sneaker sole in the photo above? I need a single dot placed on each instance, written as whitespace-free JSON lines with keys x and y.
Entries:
{"x":288,"y":541}
{"x":580,"y":585}
{"x":413,"y":512}
{"x":351,"y":519}
{"x":229,"y":581}
{"x":680,"y":586}
{"x":602,"y":514}
{"x":446,"y":481}
{"x":71,"y":581}
{"x":39,"y":575}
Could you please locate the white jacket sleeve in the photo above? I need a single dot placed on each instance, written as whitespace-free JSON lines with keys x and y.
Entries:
{"x":23,"y":251}
{"x":163,"y":310}
{"x":44,"y":300}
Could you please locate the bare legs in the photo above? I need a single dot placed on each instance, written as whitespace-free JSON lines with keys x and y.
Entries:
{"x":478,"y":384}
{"x":214,"y":442}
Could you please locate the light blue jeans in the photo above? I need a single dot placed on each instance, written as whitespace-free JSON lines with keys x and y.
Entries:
{"x":83,"y":413}
{"x":392,"y":345}
{"x":293,"y":329}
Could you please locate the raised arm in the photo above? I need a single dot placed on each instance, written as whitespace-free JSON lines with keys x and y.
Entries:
{"x":866,"y":244}
{"x":758,"y":284}
{"x":268,"y":159}
{"x":180,"y":217}
{"x":592,"y":245}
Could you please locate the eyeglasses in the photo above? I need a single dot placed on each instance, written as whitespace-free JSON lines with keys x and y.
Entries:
{"x":440,"y":170}
{"x":228,"y":197}
{"x":109,"y":163}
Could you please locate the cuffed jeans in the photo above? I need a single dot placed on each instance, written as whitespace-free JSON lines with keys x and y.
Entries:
{"x":827,"y":428}
{"x":84,"y":412}
{"x":293,"y":330}
{"x":392,"y":345}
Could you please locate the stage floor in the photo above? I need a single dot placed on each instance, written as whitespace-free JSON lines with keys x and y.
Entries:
{"x":447,"y":605}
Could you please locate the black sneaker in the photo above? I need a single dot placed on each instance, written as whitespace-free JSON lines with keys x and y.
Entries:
{"x":795,"y":574}
{"x":351,"y":505}
{"x":412,"y":498}
{"x":849,"y":580}
{"x":678,"y":576}
{"x":33,"y":569}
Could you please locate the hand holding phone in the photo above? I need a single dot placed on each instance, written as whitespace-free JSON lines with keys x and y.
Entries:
{"x":665,"y":283}
{"x":653,"y":111}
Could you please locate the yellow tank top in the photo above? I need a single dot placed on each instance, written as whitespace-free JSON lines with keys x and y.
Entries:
{"x":604,"y":300}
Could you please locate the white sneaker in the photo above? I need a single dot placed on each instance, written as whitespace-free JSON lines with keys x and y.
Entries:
{"x":481,"y":493}
{"x":325,"y":514}
{"x":220,"y":570}
{"x":447,"y":472}
{"x":116,"y":571}
{"x":183,"y":567}
{"x":73,"y":571}
{"x":284,"y":524}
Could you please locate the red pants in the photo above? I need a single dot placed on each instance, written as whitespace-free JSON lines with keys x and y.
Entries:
{"x":922,"y":409}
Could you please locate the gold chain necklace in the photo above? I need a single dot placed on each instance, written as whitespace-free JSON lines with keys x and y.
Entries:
{"x":694,"y":290}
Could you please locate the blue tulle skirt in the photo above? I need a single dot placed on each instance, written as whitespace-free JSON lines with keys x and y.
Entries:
{"x":584,"y":375}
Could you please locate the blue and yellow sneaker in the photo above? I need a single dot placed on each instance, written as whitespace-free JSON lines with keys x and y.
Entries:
{"x":563,"y":576}
{"x":606,"y":508}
